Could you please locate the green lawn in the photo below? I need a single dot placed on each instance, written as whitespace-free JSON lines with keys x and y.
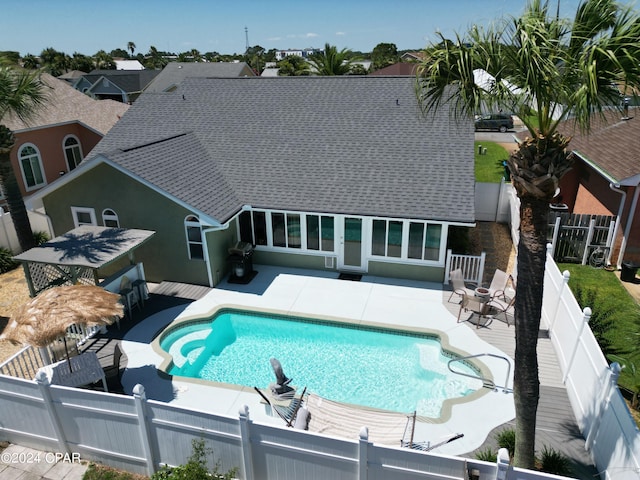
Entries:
{"x":488,"y":167}
{"x":611,"y":300}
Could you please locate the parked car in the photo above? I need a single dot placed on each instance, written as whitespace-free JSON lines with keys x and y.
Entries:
{"x":494,"y":121}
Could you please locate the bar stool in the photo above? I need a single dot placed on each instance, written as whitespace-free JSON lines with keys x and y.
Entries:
{"x":128,"y":295}
{"x":140,"y":286}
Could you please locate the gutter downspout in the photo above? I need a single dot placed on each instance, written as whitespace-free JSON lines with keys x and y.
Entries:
{"x":616,"y":188}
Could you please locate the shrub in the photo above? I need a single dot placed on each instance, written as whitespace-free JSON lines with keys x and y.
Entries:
{"x":40,"y":237}
{"x":554,"y":462}
{"x":507,"y":439}
{"x":6,"y":260}
{"x":601,"y":315}
{"x":487,"y":455}
{"x":195,"y":468}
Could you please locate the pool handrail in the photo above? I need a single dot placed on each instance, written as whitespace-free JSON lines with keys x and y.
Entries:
{"x":485,"y":381}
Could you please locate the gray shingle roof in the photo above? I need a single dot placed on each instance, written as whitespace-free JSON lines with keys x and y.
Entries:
{"x":175,"y":72}
{"x":129,"y":81}
{"x":355,"y":145}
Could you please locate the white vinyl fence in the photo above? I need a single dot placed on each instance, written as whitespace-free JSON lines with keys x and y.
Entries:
{"x":611,"y":434}
{"x":8,"y":237}
{"x":139,"y":435}
{"x":492,"y":201}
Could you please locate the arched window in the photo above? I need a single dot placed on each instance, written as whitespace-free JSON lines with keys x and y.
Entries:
{"x":72,"y":152}
{"x":31,"y":167}
{"x":194,"y":237}
{"x":110,"y":218}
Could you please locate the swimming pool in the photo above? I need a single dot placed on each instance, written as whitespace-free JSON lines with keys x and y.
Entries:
{"x":378,"y":368}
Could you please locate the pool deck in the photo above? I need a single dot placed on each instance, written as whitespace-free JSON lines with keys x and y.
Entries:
{"x":374,"y":301}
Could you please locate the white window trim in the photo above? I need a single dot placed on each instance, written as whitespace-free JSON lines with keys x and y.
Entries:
{"x":40,"y":165}
{"x":367,"y":235}
{"x":64,"y":149}
{"x":92,"y":213}
{"x":189,"y":223}
{"x":108,"y":216}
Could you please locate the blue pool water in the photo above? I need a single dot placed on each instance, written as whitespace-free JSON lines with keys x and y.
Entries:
{"x":391,"y":371}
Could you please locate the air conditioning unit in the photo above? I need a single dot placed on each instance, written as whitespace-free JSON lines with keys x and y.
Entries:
{"x":329,"y":262}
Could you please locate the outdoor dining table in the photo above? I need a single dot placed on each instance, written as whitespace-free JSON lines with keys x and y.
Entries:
{"x":76,"y":371}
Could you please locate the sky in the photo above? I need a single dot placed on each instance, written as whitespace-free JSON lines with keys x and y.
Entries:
{"x":87,"y":26}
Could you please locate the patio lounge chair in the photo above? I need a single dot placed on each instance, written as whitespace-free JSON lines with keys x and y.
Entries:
{"x":498,"y":283}
{"x":458,"y":285}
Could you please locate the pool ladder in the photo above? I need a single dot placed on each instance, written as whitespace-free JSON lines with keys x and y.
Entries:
{"x":486,"y":382}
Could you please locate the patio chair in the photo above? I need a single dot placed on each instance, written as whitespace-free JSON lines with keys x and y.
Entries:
{"x":113,"y":370}
{"x":129,"y":296}
{"x":458,"y":285}
{"x":502,"y":306}
{"x":499,"y":283}
{"x":475,"y":304}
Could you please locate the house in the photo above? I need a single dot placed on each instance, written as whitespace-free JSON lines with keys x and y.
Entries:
{"x":171,"y":75}
{"x":122,"y":64}
{"x":119,"y":85}
{"x":55,"y":141}
{"x":400,"y":68}
{"x":340,"y":173}
{"x":605,"y":178}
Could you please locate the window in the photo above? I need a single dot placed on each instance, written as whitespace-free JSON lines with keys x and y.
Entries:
{"x":110,"y":218}
{"x":386,"y":238}
{"x":194,"y":237}
{"x":31,"y":166}
{"x":285,"y":230}
{"x":260,"y":228}
{"x":320,"y":234}
{"x":83,"y":216}
{"x":72,"y":152}
{"x":424,"y":241}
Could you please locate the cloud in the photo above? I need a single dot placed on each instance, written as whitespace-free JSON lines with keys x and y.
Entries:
{"x":310,"y":35}
{"x":340,"y":34}
{"x":274,"y":39}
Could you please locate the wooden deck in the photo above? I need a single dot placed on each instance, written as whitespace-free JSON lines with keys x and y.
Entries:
{"x":556,"y":425}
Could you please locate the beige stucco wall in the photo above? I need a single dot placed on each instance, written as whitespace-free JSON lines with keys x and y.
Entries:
{"x":165,"y":256}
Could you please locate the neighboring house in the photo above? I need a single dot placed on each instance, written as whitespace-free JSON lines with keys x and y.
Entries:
{"x":119,"y":85}
{"x":605,"y":178}
{"x":304,"y":53}
{"x":397,"y":69}
{"x":340,"y":173}
{"x":175,"y":72}
{"x":413,"y":56}
{"x":128,"y":65}
{"x":71,"y":76}
{"x":55,"y":141}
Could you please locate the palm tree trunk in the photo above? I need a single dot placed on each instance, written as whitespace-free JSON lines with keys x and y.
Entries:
{"x":17,"y":209}
{"x":528,"y":309}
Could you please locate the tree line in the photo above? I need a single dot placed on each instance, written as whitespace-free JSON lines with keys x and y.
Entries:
{"x":329,"y":61}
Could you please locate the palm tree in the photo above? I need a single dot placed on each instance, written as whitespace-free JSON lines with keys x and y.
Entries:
{"x":21,"y":93}
{"x":331,"y":61}
{"x":293,"y":66}
{"x":547,"y":70}
{"x":131,"y":47}
{"x":104,"y":61}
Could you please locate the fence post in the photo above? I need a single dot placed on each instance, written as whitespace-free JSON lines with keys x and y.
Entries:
{"x":140,"y":400}
{"x":447,"y":268}
{"x":586,"y":315}
{"x":245,"y":436}
{"x":565,"y":281}
{"x":585,"y":255}
{"x":363,"y":454}
{"x":43,"y":383}
{"x":502,"y":463}
{"x":483,"y":257}
{"x":603,"y":403}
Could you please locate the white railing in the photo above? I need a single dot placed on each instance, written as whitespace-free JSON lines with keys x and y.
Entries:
{"x":472,"y":266}
{"x":140,"y":435}
{"x":612,"y":437}
{"x":26,"y":362}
